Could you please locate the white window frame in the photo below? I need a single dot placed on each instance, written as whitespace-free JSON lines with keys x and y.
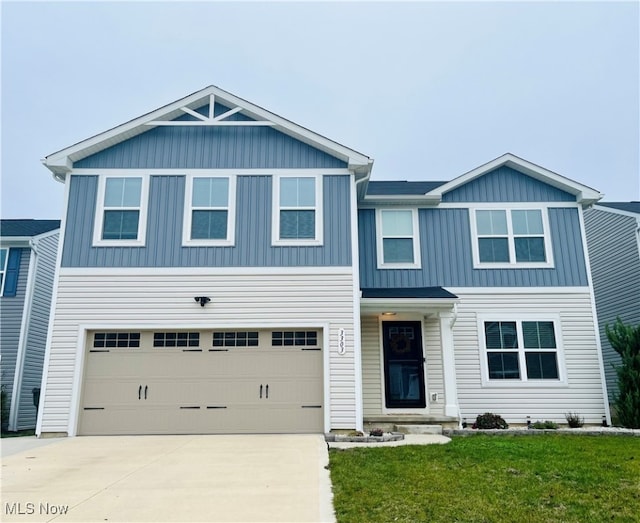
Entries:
{"x":3,"y":269}
{"x":275,"y":228}
{"x":512,"y":263}
{"x":523,"y":381}
{"x":142,"y":209}
{"x":417,"y":260}
{"x":230,"y":208}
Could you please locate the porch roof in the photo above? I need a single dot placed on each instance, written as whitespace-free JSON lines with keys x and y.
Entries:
{"x":423,"y":300}
{"x":408,"y":292}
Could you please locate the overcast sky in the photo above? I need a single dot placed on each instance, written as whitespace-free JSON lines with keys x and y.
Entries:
{"x":428,"y":90}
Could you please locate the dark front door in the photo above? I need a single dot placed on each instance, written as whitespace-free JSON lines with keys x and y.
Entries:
{"x":403,"y":364}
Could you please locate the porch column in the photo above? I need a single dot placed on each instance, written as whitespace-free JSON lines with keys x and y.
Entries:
{"x":447,"y":319}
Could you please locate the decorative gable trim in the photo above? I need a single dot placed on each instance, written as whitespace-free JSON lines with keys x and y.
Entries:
{"x":61,"y":162}
{"x":584,"y":195}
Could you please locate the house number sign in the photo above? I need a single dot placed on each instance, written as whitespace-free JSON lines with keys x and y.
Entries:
{"x":342,"y":344}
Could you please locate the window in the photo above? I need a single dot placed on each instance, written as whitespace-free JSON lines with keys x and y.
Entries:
{"x":121,"y":211}
{"x":235,"y":339}
{"x":510,"y":237}
{"x":116,"y":340}
{"x":298,"y":206}
{"x":521,"y":350}
{"x":398,"y":242}
{"x":209,"y":211}
{"x":294,"y":338}
{"x":4,"y":256}
{"x":176,"y":339}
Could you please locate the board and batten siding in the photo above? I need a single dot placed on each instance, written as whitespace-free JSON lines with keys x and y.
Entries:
{"x":36,"y":336}
{"x":583,"y":391}
{"x":166,"y":301}
{"x":614,"y":254}
{"x":252,"y":236}
{"x":372,"y":373}
{"x":446,"y":262}
{"x":11,"y":312}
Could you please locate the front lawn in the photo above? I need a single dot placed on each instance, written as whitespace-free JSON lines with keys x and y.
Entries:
{"x":546,"y":478}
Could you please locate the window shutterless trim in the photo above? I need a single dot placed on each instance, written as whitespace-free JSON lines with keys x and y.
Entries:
{"x":512,"y":263}
{"x":275,"y":220}
{"x":187,"y":241}
{"x":524,"y":381}
{"x":142,"y":208}
{"x":417,"y":261}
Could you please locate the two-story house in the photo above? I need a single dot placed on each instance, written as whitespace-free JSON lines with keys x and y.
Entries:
{"x":27,"y":267}
{"x":224,"y":270}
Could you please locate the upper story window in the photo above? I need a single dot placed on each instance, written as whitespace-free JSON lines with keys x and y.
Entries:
{"x":511,"y":238}
{"x":297,"y":210}
{"x":521,"y":350}
{"x":4,"y":256}
{"x":209,"y":211}
{"x":398,"y":243}
{"x":121,"y":212}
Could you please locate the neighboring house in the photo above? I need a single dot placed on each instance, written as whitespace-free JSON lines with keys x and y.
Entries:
{"x":613,"y":237}
{"x":225,"y":270}
{"x":27,"y":266}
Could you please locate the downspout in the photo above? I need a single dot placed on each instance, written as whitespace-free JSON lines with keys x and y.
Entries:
{"x":24,"y":335}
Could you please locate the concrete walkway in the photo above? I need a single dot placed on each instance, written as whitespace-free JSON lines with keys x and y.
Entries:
{"x":252,"y":478}
{"x":409,"y":439}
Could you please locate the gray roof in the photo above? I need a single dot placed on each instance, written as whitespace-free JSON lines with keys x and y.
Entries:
{"x":394,"y":188}
{"x":27,"y":227}
{"x":408,"y":292}
{"x":622,"y":206}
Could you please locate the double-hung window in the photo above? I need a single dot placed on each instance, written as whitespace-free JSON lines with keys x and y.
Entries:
{"x":511,"y":238}
{"x":298,"y":210}
{"x":521,"y":350}
{"x":209,"y":211}
{"x":398,"y":244}
{"x":121,"y":211}
{"x":4,"y":257}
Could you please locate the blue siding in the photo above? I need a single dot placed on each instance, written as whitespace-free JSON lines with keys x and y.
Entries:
{"x":449,"y":263}
{"x":164,"y":229}
{"x":202,"y":147}
{"x":506,"y":185}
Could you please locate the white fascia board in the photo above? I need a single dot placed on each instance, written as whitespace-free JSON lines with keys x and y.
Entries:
{"x":422,"y":305}
{"x":584,"y":194}
{"x":613,"y":210}
{"x":15,"y":241}
{"x":61,"y":161}
{"x":400,"y":199}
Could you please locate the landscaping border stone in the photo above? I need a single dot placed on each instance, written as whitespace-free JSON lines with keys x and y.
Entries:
{"x":585,"y":431}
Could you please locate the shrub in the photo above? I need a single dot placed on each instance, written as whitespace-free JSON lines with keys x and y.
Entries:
{"x":574,"y":420}
{"x":375,"y":432}
{"x":625,"y":340}
{"x":489,"y":420}
{"x":547,"y":424}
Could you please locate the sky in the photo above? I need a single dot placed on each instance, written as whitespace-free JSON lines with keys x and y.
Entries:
{"x":429,"y":90}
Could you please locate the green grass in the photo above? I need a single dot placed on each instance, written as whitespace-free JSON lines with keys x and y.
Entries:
{"x":550,"y":478}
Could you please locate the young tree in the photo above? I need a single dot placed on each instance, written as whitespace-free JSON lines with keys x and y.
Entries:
{"x":625,"y":340}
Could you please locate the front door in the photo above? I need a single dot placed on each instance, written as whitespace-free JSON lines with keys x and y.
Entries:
{"x":403,"y":364}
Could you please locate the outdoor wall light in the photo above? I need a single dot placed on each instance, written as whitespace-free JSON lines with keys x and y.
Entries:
{"x":388,"y":313}
{"x":202,"y":300}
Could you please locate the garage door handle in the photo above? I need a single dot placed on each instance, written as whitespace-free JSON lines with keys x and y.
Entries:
{"x":260,"y":391}
{"x":267,"y":391}
{"x":140,"y":392}
{"x":145,"y":391}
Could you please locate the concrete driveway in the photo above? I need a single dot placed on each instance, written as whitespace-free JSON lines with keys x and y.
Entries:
{"x":253,"y":478}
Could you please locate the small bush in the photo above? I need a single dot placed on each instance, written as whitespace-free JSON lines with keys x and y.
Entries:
{"x":355,"y":433}
{"x":489,"y":420}
{"x":375,"y":432}
{"x":574,"y":420}
{"x":545,"y":425}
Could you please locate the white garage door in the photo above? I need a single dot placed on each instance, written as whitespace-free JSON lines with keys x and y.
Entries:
{"x":202,"y":382}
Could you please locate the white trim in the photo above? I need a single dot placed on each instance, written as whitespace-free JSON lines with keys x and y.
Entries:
{"x":507,"y":205}
{"x":417,"y":259}
{"x":174,"y":272}
{"x":584,"y":195}
{"x":52,"y":311}
{"x":511,"y":236}
{"x":22,"y":341}
{"x":84,"y":328}
{"x":3,"y":270}
{"x":594,"y":312}
{"x":357,"y":327}
{"x":446,"y":321}
{"x":318,"y":210}
{"x":204,"y":172}
{"x":613,"y":210}
{"x":518,"y":290}
{"x":231,"y":209}
{"x":503,"y":315}
{"x":143,"y":210}
{"x":210,"y":123}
